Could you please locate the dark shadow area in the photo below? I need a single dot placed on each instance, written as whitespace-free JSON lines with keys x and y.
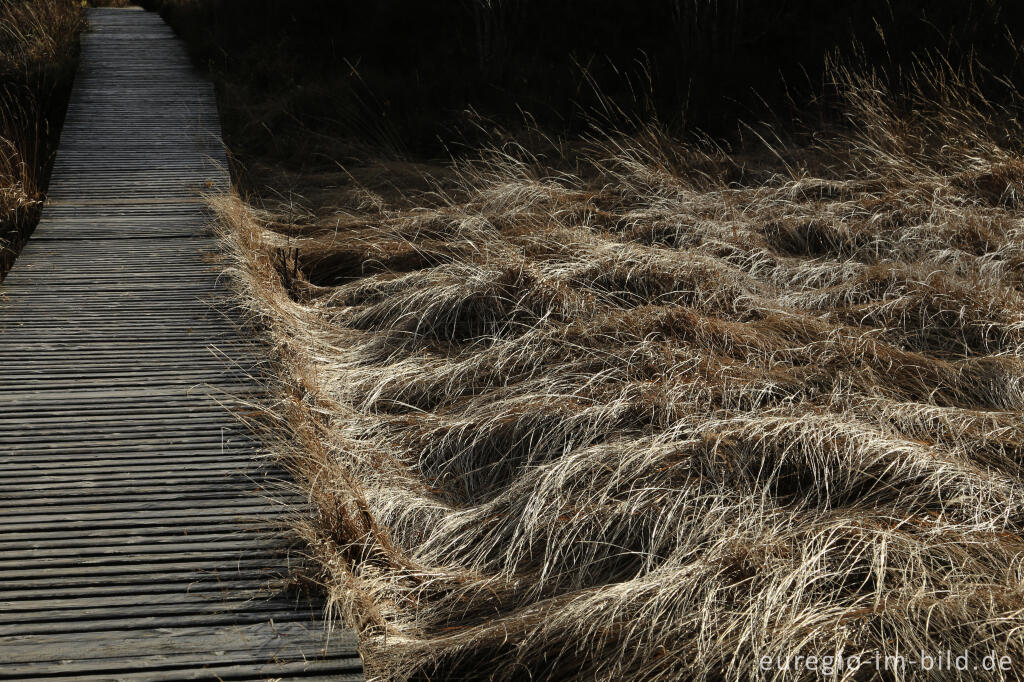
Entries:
{"x":402,"y":76}
{"x":38,"y":57}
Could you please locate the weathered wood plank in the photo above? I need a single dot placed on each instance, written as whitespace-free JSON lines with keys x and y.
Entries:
{"x":139,"y":521}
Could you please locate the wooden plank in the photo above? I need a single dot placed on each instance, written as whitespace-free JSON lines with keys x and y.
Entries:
{"x":105,"y":539}
{"x":140,"y":523}
{"x":340,"y":669}
{"x":216,"y":570}
{"x":169,"y":586}
{"x":164,"y":617}
{"x":260,"y":636}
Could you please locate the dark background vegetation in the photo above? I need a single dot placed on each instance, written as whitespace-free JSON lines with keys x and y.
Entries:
{"x":38,"y":57}
{"x":306,"y":83}
{"x":400,"y":76}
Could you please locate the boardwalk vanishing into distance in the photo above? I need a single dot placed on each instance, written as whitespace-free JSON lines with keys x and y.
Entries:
{"x":131,"y":516}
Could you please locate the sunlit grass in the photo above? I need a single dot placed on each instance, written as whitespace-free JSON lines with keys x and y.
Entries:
{"x":646,"y":416}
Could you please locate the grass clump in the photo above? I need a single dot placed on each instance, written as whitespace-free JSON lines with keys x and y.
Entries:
{"x":635,"y":408}
{"x":38,"y":57}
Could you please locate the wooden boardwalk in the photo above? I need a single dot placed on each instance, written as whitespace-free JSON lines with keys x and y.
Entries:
{"x":130,"y":501}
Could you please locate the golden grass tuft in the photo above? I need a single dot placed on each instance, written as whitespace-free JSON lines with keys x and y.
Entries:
{"x":632,"y":419}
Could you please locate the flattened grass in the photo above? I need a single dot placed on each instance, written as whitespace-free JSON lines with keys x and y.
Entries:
{"x":617,"y":414}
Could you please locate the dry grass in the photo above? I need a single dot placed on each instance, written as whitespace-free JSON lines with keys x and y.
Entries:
{"x":38,"y":54}
{"x":628,"y":412}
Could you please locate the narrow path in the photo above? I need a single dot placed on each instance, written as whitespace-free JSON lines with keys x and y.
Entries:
{"x":131,"y":542}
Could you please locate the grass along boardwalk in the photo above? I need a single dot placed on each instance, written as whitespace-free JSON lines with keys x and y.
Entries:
{"x":130,"y":501}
